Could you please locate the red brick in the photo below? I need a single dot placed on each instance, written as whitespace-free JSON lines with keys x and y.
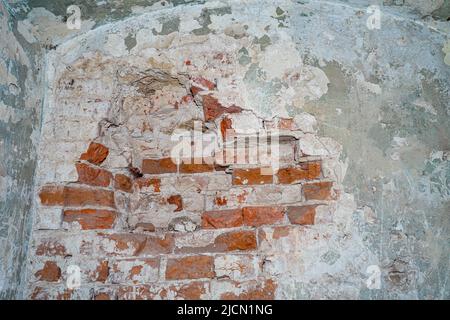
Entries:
{"x":306,"y":171}
{"x":50,"y":272}
{"x":53,"y":293}
{"x":222,"y":219}
{"x":303,"y":215}
{"x":123,"y":183}
{"x":176,"y":200}
{"x":141,"y":183}
{"x":102,"y":271}
{"x":96,"y":153}
{"x":253,"y":290}
{"x":236,"y":240}
{"x":196,"y":168}
{"x":79,"y":197}
{"x":318,"y":190}
{"x":158,"y":166}
{"x":212,"y":109}
{"x":193,"y":267}
{"x":250,"y":177}
{"x":52,"y":195}
{"x":258,"y":216}
{"x":93,"y":176}
{"x":91,"y":218}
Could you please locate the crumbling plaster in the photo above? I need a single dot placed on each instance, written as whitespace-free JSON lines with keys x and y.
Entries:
{"x":379,"y":96}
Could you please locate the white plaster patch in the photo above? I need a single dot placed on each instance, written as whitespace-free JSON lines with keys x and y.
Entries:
{"x":305,"y":122}
{"x":281,"y":58}
{"x":115,"y":45}
{"x":42,"y":25}
{"x":313,"y":145}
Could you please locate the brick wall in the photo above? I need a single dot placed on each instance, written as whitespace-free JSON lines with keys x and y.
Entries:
{"x":112,"y":204}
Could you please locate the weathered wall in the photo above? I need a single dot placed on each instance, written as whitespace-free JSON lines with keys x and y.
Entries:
{"x":365,"y":110}
{"x":375,"y":95}
{"x":20,"y":93}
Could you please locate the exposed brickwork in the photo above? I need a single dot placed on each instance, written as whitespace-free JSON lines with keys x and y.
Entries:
{"x":91,"y":218}
{"x":79,"y":197}
{"x":49,"y":272}
{"x":93,"y":176}
{"x":123,"y":183}
{"x":158,"y":166}
{"x":195,"y":168}
{"x":141,"y":226}
{"x":96,"y":153}
{"x":237,"y":240}
{"x":258,"y":216}
{"x":177,"y":201}
{"x":318,"y":191}
{"x":52,"y":195}
{"x":145,"y":183}
{"x":303,"y":215}
{"x":305,"y":171}
{"x":222,"y":219}
{"x":193,"y":267}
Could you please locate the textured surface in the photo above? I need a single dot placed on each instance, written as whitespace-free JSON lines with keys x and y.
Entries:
{"x":365,"y":170}
{"x":21,"y":91}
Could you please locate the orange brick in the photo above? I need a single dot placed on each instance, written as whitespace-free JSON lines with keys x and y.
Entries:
{"x":258,"y":216}
{"x":52,"y":195}
{"x":91,"y":218}
{"x":79,"y":197}
{"x":93,"y":176}
{"x":158,"y":166}
{"x":318,"y":191}
{"x":196,"y":168}
{"x":96,"y":153}
{"x":176,"y":200}
{"x":123,"y":183}
{"x":222,"y":219}
{"x":50,"y":272}
{"x":303,"y":215}
{"x":306,"y":171}
{"x":236,"y":240}
{"x":193,"y":267}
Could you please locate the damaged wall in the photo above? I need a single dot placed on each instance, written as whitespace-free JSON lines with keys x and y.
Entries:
{"x":20,"y":93}
{"x":364,"y":177}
